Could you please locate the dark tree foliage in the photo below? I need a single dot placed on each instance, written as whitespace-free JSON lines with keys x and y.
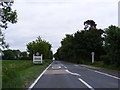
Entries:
{"x":90,"y":24}
{"x":112,"y":43}
{"x":40,"y":46}
{"x":78,"y":47}
{"x":11,"y":54}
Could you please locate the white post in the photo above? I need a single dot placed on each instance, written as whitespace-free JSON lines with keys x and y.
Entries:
{"x":93,"y":54}
{"x":41,"y":58}
{"x":33,"y":58}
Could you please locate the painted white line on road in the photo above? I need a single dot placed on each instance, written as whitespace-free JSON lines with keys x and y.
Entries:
{"x":64,"y":66}
{"x":103,"y":73}
{"x":56,"y":67}
{"x":72,"y":73}
{"x":39,"y":77}
{"x":86,"y":84}
{"x":107,"y":74}
{"x":76,"y":65}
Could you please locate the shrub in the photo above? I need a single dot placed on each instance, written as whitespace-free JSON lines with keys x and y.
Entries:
{"x":105,"y":59}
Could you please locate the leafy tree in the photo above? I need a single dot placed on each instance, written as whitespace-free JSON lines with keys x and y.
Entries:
{"x":11,"y":54}
{"x":6,"y":15}
{"x":90,"y":24}
{"x":8,"y":55}
{"x":78,"y":46}
{"x":17,"y":54}
{"x":24,"y":54}
{"x":112,"y":43}
{"x":40,"y":46}
{"x":66,"y":49}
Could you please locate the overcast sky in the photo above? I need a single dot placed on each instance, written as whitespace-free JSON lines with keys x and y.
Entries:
{"x":52,"y":19}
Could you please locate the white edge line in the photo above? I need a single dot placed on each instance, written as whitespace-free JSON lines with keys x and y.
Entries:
{"x":103,"y":73}
{"x":72,"y":73}
{"x":108,"y":75}
{"x":86,"y":84}
{"x":32,"y":85}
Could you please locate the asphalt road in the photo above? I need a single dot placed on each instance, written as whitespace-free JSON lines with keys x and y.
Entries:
{"x":66,"y":75}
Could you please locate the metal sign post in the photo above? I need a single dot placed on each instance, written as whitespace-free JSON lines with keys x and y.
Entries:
{"x":93,"y":54}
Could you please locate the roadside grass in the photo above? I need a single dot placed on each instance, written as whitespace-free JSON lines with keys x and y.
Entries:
{"x":19,"y":73}
{"x":102,"y":65}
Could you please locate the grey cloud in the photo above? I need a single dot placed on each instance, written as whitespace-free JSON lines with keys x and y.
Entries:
{"x":52,"y":19}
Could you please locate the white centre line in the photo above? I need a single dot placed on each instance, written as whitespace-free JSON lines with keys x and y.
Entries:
{"x":76,"y":65}
{"x":39,"y":77}
{"x":72,"y":73}
{"x":86,"y":84}
{"x":107,"y":75}
{"x":56,"y":67}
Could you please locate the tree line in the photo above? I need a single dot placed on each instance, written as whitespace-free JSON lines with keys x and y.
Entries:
{"x":78,"y":47}
{"x":14,"y":55}
{"x":38,"y":45}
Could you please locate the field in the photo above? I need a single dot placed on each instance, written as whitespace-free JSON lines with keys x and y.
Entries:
{"x":19,"y":73}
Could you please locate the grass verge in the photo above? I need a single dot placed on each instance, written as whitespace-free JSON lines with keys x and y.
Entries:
{"x":19,"y":73}
{"x":102,"y":65}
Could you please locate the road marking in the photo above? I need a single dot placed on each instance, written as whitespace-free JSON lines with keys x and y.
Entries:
{"x":32,"y":85}
{"x":76,"y":65}
{"x":103,"y":73}
{"x":64,"y":66}
{"x":56,"y":67}
{"x":107,"y":74}
{"x":72,"y":73}
{"x":86,"y":84}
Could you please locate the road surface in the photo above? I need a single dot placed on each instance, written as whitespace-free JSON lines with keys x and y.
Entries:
{"x":66,"y":75}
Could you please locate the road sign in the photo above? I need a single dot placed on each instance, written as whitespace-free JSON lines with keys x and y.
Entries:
{"x":37,"y":59}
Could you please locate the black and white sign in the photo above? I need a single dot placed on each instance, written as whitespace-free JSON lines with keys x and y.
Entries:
{"x":37,"y":58}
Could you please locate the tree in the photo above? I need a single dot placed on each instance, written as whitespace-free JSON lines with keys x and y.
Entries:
{"x":90,"y":24}
{"x":6,"y":15}
{"x":8,"y":55}
{"x":78,"y":46}
{"x":24,"y":54}
{"x":17,"y":54}
{"x":11,"y":54}
{"x":112,"y":43}
{"x":40,"y":46}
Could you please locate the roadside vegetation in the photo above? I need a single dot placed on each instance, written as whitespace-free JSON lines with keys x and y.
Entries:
{"x":20,"y":73}
{"x":77,"y":47}
{"x":101,"y":64}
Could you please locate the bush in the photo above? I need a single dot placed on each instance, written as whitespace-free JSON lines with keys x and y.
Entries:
{"x":105,"y":59}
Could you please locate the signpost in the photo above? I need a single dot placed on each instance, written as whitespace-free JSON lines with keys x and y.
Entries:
{"x":93,"y":54}
{"x":37,"y":58}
